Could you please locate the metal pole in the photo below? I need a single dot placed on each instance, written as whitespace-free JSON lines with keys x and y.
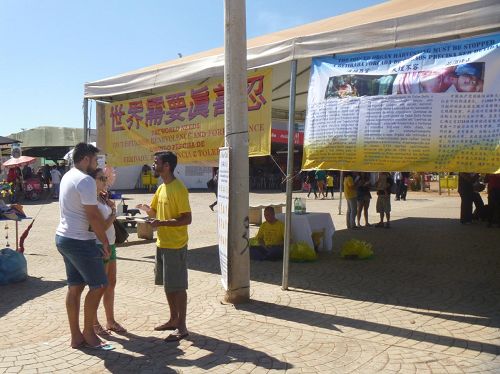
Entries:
{"x":85,"y":120}
{"x":341,"y":189}
{"x":236,"y":138}
{"x":289,"y":172}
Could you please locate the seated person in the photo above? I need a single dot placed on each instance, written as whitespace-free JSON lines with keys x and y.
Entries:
{"x":271,"y":238}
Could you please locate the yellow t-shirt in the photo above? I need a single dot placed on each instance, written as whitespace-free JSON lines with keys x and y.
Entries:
{"x":169,"y":201}
{"x":349,"y":188}
{"x":272,"y":233}
{"x":329,"y":181}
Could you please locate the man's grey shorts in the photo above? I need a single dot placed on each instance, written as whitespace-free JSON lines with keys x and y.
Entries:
{"x":171,"y":269}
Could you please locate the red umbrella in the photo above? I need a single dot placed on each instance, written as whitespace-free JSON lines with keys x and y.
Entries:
{"x":21,"y":161}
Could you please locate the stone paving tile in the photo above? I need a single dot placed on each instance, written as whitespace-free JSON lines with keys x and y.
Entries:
{"x":429,"y":304}
{"x":406,"y":360}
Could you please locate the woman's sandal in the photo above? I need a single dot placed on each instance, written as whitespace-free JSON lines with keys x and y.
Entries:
{"x":116,"y":327}
{"x":99,"y":330}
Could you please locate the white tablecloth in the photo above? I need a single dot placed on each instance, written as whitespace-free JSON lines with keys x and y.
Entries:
{"x":303,"y":226}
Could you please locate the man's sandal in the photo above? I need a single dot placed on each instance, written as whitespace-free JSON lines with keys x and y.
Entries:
{"x":176,"y":336}
{"x":166,"y":326}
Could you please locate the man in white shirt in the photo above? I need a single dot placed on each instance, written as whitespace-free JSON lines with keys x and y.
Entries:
{"x":80,"y":223}
{"x":55,"y":176}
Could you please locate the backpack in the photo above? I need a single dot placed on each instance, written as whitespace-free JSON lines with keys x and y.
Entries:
{"x":121,"y":233}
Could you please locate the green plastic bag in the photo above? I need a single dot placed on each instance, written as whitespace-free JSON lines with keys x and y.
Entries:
{"x":356,"y":249}
{"x":302,"y":252}
{"x":254,"y":242}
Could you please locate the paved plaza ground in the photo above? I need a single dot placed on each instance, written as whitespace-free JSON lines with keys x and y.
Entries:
{"x":428,"y":302}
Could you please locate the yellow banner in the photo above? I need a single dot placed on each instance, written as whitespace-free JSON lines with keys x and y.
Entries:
{"x":188,"y":121}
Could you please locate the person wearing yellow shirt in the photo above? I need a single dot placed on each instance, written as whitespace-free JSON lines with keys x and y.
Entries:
{"x":352,"y":204}
{"x":171,"y":214}
{"x":329,"y":184}
{"x":271,"y":238}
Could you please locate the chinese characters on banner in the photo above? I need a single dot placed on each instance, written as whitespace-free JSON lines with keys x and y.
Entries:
{"x":429,"y":108}
{"x":188,"y":121}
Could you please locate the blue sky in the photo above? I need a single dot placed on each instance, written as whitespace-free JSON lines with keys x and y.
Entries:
{"x":50,"y":48}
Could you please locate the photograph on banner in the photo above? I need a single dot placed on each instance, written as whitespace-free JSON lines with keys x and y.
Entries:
{"x":187,"y":120}
{"x":459,"y":78}
{"x":426,"y":108}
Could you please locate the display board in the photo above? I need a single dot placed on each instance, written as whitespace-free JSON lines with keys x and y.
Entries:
{"x":223,"y":213}
{"x":426,"y":108}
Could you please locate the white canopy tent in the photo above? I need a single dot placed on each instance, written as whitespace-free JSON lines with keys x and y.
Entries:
{"x":396,"y":23}
{"x":391,"y":24}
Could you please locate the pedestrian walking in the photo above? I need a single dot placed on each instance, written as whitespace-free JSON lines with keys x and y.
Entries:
{"x":55,"y":176}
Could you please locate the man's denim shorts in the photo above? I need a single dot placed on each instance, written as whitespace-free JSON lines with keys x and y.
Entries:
{"x":84,"y":262}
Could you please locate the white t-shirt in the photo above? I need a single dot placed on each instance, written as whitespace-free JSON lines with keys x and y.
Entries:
{"x":77,"y":189}
{"x":106,"y":212}
{"x":55,"y":175}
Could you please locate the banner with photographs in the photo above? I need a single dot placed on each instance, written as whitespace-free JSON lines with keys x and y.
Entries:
{"x":427,"y":108}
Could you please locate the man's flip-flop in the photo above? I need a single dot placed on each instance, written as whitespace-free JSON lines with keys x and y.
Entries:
{"x":175,"y":337}
{"x":81,"y":345}
{"x":165,"y":327}
{"x":100,"y":347}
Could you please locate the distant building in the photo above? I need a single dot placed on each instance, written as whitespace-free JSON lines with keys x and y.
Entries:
{"x":50,"y":142}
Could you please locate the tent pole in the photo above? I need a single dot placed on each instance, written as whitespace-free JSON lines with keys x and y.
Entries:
{"x":341,"y":189}
{"x":85,"y":120}
{"x":289,"y":172}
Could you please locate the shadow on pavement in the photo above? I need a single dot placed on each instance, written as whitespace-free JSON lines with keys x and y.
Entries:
{"x":14,"y":295}
{"x":431,"y":264}
{"x":134,"y":260}
{"x":152,"y":354}
{"x":332,"y":322}
{"x":131,"y":243}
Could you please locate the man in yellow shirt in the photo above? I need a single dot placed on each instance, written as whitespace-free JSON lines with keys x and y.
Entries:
{"x":171,"y":214}
{"x":271,"y":238}
{"x":329,"y":184}
{"x":350,"y":195}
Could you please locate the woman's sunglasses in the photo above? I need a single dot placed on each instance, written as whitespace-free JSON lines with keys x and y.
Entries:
{"x":103,"y":178}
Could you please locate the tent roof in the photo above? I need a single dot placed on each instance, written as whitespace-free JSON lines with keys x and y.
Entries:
{"x":391,"y":24}
{"x":4,"y":140}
